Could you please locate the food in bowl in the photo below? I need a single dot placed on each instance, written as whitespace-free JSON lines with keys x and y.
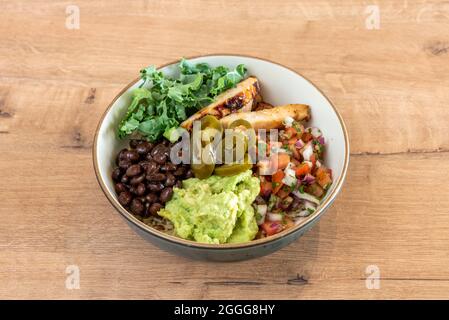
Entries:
{"x":216,"y":209}
{"x":268,"y":185}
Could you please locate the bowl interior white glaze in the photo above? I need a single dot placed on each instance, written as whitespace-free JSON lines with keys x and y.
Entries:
{"x":279,"y":85}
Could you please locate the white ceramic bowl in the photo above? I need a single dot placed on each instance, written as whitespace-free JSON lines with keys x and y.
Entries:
{"x":279,"y":85}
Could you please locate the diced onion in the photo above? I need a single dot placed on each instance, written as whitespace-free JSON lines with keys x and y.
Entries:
{"x":321,"y":140}
{"x":289,"y":170}
{"x":314,"y":131}
{"x":306,"y":196}
{"x":307,"y":152}
{"x":310,"y":164}
{"x":262,"y":211}
{"x":289,"y":180}
{"x":299,"y":144}
{"x":318,"y":163}
{"x":309,"y":205}
{"x":290,"y":175}
{"x":304,"y":213}
{"x":288,"y":121}
{"x":308,"y":179}
{"x":274,"y":216}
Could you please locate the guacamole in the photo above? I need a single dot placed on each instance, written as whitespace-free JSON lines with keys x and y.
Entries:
{"x":216,"y":209}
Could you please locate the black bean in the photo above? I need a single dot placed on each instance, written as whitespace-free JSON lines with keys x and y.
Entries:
{"x":144,"y":147}
{"x":166,"y":194}
{"x":132,"y":155}
{"x":144,"y":165}
{"x":169,"y":166}
{"x":170,"y":180}
{"x":124,"y":164}
{"x":137,"y":207}
{"x":155,"y":207}
{"x":140,"y":189}
{"x":151,"y":198}
{"x":155,"y":187}
{"x":156,"y":150}
{"x":156,"y":177}
{"x":160,"y":149}
{"x":122,"y":154}
{"x":124,"y":198}
{"x":149,"y":157}
{"x":152,"y":167}
{"x":125,"y":179}
{"x":133,"y":170}
{"x":179,"y":171}
{"x":178,"y":184}
{"x":119,"y":187}
{"x":160,"y":158}
{"x":147,"y":211}
{"x":134,"y":142}
{"x":189,"y":174}
{"x":137,"y":179}
{"x":116,"y":174}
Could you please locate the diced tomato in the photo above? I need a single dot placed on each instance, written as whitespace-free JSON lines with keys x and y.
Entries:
{"x":323,"y":177}
{"x":265,"y":188}
{"x":302,"y":169}
{"x":271,"y":228}
{"x":313,"y":159}
{"x":295,"y":162}
{"x":281,"y":160}
{"x":315,"y":190}
{"x":295,"y":152}
{"x":306,"y":137}
{"x":290,"y":133}
{"x":277,"y":180}
{"x":283,"y":192}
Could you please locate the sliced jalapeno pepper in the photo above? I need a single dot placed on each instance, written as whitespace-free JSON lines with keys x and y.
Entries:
{"x":210,"y":126}
{"x":210,"y":121}
{"x":249,"y":132}
{"x":204,"y":169}
{"x":233,"y":168}
{"x":240,"y":122}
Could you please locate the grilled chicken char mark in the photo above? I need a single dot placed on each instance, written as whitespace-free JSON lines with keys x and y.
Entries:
{"x":235,"y":100}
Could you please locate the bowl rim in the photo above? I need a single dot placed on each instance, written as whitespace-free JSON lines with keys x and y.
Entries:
{"x":226,"y":246}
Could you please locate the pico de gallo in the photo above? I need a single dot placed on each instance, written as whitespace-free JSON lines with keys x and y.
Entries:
{"x":293,"y":178}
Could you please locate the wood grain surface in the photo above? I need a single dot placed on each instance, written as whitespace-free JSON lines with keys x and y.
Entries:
{"x":390,"y":85}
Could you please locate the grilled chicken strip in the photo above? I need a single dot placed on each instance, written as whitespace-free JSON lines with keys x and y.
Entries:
{"x":238,"y":99}
{"x":270,"y":118}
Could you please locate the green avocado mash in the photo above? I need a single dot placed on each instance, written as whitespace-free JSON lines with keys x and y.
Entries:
{"x":216,"y":209}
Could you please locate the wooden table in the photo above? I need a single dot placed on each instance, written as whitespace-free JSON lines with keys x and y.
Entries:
{"x":389,"y":81}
